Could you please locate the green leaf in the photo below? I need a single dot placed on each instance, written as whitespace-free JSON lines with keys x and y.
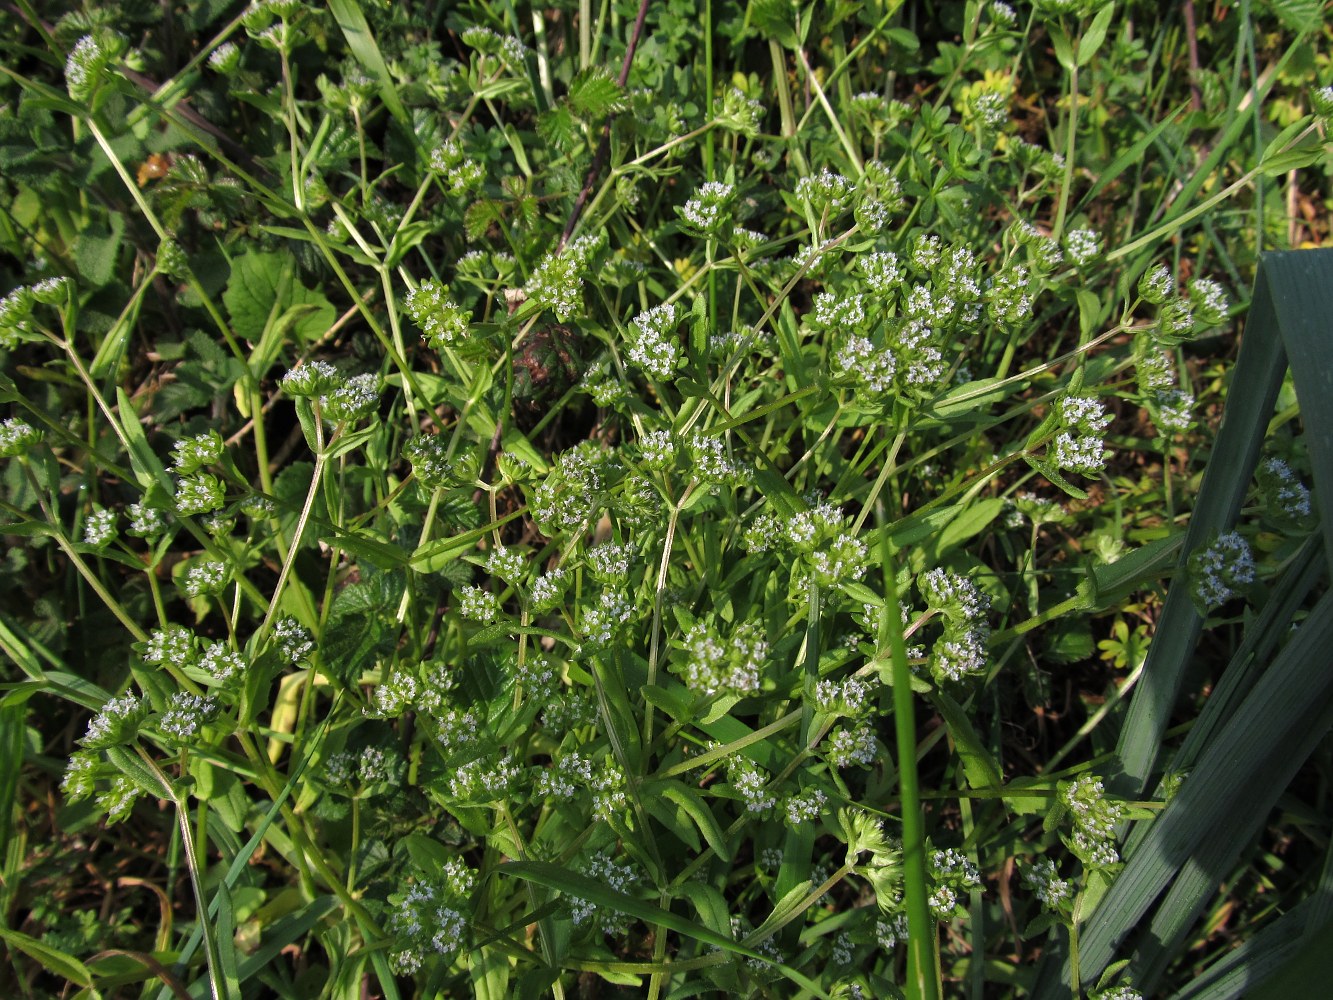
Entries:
{"x":908,"y":531}
{"x":261,"y":288}
{"x":132,"y":766}
{"x":12,"y":718}
{"x":971,"y":399}
{"x":1095,"y":35}
{"x":697,"y":809}
{"x":225,"y":930}
{"x":489,"y":971}
{"x":773,"y":19}
{"x":1299,"y":15}
{"x":594,"y":94}
{"x":54,"y":961}
{"x":147,"y":467}
{"x":362,"y":43}
{"x":570,"y":883}
{"x":975,"y":518}
{"x":97,"y":251}
{"x":355,"y":633}
{"x":978,"y":765}
{"x":1064,"y":49}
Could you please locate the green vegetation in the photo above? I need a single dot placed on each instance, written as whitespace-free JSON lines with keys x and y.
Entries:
{"x":677,"y":500}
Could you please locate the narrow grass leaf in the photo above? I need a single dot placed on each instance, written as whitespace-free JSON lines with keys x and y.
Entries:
{"x":52,"y":959}
{"x":362,"y":43}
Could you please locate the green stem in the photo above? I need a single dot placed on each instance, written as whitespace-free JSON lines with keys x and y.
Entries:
{"x":922,"y":976}
{"x":1068,"y":174}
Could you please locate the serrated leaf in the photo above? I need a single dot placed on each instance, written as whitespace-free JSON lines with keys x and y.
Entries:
{"x":594,"y":93}
{"x":262,"y":287}
{"x":355,"y":632}
{"x":773,"y":19}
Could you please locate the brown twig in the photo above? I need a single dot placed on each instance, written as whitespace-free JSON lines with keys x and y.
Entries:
{"x":1192,"y":43}
{"x":604,"y":147}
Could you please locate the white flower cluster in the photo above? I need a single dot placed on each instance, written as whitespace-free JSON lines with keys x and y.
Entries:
{"x":115,"y":723}
{"x":1118,"y":993}
{"x":572,"y":492}
{"x":173,"y":644}
{"x":225,"y":59}
{"x":509,"y":48}
{"x":961,"y":649}
{"x":199,"y":494}
{"x":457,"y":729}
{"x":850,"y":696}
{"x":206,"y":577}
{"x":805,"y":806}
{"x":881,"y":270}
{"x":611,"y":561}
{"x":1008,"y":295}
{"x":751,"y":784}
{"x":842,"y":312}
{"x":991,"y":110}
{"x":1046,"y":885}
{"x":1094,"y":818}
{"x":294,"y":642}
{"x":441,"y":320}
{"x":1287,"y":496}
{"x":826,"y":192}
{"x":506,"y":564}
{"x":1210,"y":301}
{"x":565,"y":778}
{"x":1079,"y":447}
{"x":485,"y":779}
{"x":88,"y":61}
{"x":952,"y":864}
{"x":717,"y":665}
{"x":708,"y":455}
{"x":314,"y":378}
{"x":547,"y":590}
{"x":865,"y":366}
{"x":1219,"y":571}
{"x":428,"y":917}
{"x":100,"y":527}
{"x":602,"y":620}
{"x":652,"y":347}
{"x":852,"y":747}
{"x":145,"y":521}
{"x":356,"y":399}
{"x":889,"y":931}
{"x":461,"y":172}
{"x":1157,"y":285}
{"x":740,"y":113}
{"x":1082,"y":246}
{"x":17,"y":437}
{"x":618,"y":878}
{"x":222,"y":663}
{"x":926,"y":249}
{"x":557,"y":282}
{"x":659,"y":449}
{"x":708,"y":213}
{"x":1172,"y":410}
{"x":186,"y":714}
{"x":478,"y":605}
{"x":396,"y":695}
